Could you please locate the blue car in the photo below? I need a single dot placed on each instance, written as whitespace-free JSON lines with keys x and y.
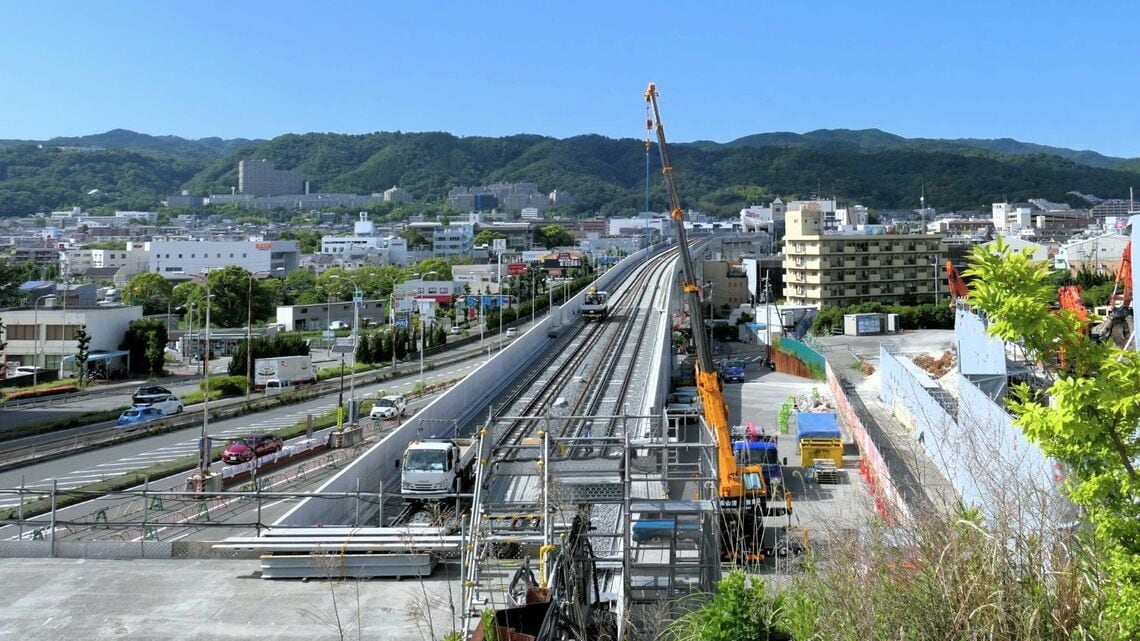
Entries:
{"x":139,"y":415}
{"x":732,"y":370}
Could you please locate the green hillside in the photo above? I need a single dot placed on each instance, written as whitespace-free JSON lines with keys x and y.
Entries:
{"x":34,"y":179}
{"x":873,"y":167}
{"x":608,"y":175}
{"x":877,"y":140}
{"x":132,"y":141}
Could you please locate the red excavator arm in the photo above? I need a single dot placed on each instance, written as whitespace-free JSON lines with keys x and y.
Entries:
{"x":957,"y":285}
{"x":1123,"y":280}
{"x":1070,"y":296}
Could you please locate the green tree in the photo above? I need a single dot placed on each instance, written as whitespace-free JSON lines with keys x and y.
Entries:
{"x":441,"y":267}
{"x":400,"y":343}
{"x":296,"y":283}
{"x":1086,"y":417}
{"x":230,"y":287}
{"x":278,"y":345}
{"x":336,"y":284}
{"x":486,"y":236}
{"x":364,"y":350}
{"x":308,"y":241}
{"x":150,"y":290}
{"x":185,"y":294}
{"x":82,"y":353}
{"x":10,"y":278}
{"x":414,"y":238}
{"x":552,"y":236}
{"x":145,"y":340}
{"x":3,"y":354}
{"x":382,"y":347}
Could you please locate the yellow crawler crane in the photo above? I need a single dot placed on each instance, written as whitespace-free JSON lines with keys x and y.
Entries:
{"x":741,"y":486}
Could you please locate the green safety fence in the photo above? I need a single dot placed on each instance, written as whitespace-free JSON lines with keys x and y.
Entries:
{"x":811,"y":359}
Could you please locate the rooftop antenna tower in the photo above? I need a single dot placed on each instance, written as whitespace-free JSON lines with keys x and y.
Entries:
{"x":922,"y":206}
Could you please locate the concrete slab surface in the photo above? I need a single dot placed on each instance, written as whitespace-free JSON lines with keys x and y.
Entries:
{"x":207,"y":600}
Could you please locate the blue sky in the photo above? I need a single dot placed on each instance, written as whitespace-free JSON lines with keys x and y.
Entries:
{"x":1048,"y":72}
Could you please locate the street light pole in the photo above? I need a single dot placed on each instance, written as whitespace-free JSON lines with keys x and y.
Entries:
{"x":357,"y":300}
{"x":186,"y":352}
{"x":392,"y":326}
{"x":203,"y":443}
{"x":249,"y":339}
{"x":249,"y":334}
{"x":36,"y":347}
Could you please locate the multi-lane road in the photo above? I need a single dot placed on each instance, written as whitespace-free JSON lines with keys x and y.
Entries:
{"x":95,"y":465}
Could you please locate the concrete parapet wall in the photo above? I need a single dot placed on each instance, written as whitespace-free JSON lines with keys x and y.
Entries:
{"x":116,"y":549}
{"x":377,"y":468}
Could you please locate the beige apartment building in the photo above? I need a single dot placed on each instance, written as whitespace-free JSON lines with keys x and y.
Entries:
{"x":852,"y":265}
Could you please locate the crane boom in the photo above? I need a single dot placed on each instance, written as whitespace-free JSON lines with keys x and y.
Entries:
{"x":1124,"y":279}
{"x":958,"y":289}
{"x":733,"y":478}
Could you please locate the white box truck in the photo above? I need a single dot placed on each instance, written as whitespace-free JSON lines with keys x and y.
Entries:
{"x":289,"y":371}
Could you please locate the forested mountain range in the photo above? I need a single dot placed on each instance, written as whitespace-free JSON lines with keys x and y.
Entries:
{"x":878,"y":140}
{"x":604,"y":175}
{"x":133,"y":141}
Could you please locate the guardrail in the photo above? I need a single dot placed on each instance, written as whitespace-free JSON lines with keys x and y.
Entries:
{"x":83,"y":394}
{"x":108,"y":433}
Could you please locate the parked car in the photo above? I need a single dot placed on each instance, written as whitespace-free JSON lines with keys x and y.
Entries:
{"x":148,"y":393}
{"x":250,"y":447}
{"x":139,"y":415}
{"x":23,"y":369}
{"x":456,"y":330}
{"x":335,"y":325}
{"x":685,"y":403}
{"x":166,"y":403}
{"x":389,"y":407}
{"x":512,"y":332}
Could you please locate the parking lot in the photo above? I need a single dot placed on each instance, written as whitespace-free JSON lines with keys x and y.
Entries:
{"x":821,"y":510}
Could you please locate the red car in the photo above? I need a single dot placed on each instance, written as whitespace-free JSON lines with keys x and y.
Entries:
{"x":250,"y":447}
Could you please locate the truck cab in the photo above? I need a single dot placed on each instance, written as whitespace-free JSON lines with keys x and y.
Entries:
{"x":436,"y":466}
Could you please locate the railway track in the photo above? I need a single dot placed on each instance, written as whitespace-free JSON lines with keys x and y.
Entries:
{"x":569,"y":361}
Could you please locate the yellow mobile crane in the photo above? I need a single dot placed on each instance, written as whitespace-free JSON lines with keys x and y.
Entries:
{"x":741,"y":486}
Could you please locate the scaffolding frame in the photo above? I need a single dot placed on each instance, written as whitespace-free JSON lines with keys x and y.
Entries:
{"x":531,"y":528}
